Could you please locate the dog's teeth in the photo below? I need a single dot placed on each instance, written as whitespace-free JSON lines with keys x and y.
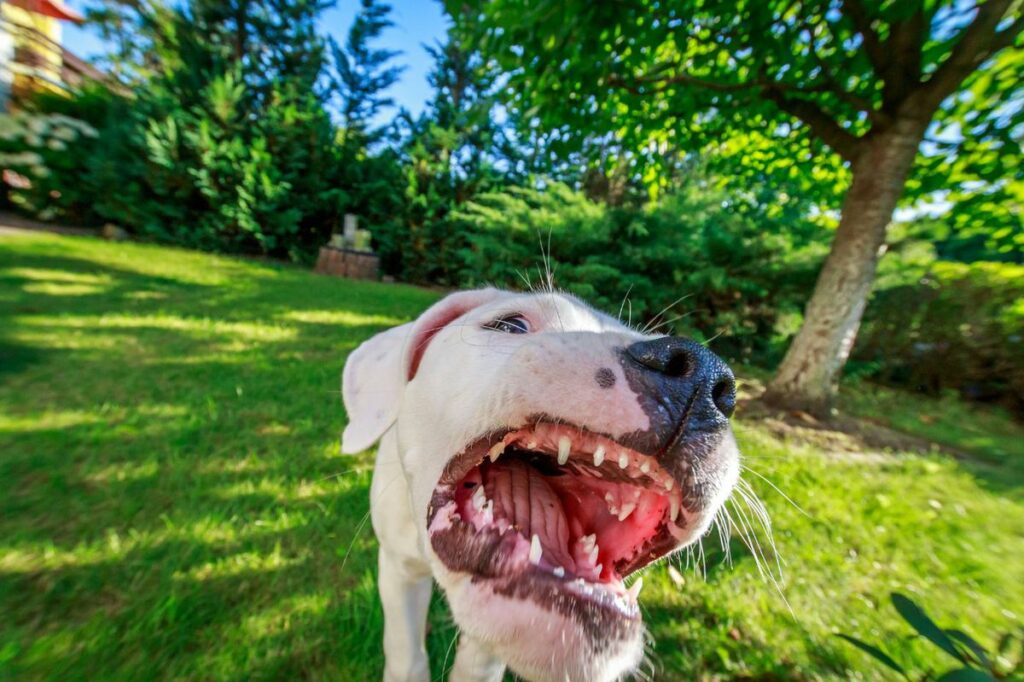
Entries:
{"x":495,"y":452}
{"x":588,"y":541}
{"x":479,"y":498}
{"x":599,"y":455}
{"x":669,"y":482}
{"x":626,"y":510}
{"x":597,"y":569}
{"x":564,"y":444}
{"x":531,"y":445}
{"x":559,"y":572}
{"x":593,"y":553}
{"x":535,"y":549}
{"x":623,"y":460}
{"x":634,"y":589}
{"x":645,"y":467}
{"x":673,"y":503}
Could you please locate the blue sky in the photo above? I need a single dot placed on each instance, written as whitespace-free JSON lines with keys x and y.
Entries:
{"x":416,"y":22}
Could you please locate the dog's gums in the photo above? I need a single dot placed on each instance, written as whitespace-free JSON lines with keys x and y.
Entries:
{"x":556,"y":503}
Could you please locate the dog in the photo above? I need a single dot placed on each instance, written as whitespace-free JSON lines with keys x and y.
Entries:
{"x":533,"y":453}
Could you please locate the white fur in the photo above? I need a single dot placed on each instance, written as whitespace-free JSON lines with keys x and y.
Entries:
{"x":469,"y":381}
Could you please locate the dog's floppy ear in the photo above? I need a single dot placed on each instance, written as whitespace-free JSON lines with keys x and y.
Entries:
{"x":377,"y":371}
{"x":371,"y":385}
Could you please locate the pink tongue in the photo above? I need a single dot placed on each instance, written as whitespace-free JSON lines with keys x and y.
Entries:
{"x":522,"y":495}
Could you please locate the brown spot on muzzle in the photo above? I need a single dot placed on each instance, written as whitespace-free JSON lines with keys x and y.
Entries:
{"x":605,"y":377}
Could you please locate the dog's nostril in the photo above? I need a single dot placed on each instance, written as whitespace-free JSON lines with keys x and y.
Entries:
{"x":679,"y":365}
{"x":724,"y":396}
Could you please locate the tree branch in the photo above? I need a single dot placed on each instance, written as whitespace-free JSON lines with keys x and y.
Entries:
{"x":903,"y":48}
{"x":820,"y":123}
{"x":842,"y":142}
{"x":832,"y":85}
{"x":855,"y":11}
{"x":979,"y":41}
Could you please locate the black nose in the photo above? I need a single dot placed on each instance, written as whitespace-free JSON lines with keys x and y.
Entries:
{"x":689,"y":379}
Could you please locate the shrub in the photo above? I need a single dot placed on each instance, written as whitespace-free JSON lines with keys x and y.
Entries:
{"x":42,"y":156}
{"x":709,"y":270}
{"x":959,"y":327}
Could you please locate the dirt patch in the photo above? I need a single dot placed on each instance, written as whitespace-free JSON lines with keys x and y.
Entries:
{"x":842,"y":434}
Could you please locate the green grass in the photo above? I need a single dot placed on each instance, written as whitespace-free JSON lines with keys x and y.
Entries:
{"x":174,"y":503}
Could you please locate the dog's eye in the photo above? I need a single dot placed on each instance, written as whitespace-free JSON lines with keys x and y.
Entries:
{"x":510,"y":324}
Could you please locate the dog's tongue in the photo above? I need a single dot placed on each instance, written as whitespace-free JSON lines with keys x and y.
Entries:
{"x":523,"y":495}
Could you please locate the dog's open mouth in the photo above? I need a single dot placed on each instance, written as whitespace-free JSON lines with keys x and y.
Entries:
{"x":554,"y":506}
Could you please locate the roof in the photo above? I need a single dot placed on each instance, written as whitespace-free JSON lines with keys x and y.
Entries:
{"x":49,"y":8}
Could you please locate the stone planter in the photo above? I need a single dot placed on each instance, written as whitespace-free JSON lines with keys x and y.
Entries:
{"x":347,"y":263}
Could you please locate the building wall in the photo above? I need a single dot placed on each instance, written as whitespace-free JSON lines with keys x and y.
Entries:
{"x":30,"y":47}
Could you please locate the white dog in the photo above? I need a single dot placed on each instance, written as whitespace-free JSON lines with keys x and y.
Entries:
{"x":533,"y":453}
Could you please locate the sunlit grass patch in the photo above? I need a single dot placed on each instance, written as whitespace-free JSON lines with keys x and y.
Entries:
{"x":340,"y":317}
{"x":254,"y":563}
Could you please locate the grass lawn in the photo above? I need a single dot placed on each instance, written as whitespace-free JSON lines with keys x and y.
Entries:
{"x":174,"y":504}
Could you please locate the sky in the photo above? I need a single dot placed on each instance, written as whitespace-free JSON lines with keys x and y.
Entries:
{"x":416,"y":22}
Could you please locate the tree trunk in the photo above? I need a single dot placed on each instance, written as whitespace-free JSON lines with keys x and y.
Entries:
{"x":808,"y":376}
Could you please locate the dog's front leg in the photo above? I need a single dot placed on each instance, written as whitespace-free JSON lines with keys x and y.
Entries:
{"x":406,"y":599}
{"x":473,"y":663}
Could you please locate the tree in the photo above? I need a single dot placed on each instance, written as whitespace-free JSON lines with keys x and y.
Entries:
{"x":452,"y":152}
{"x":227,"y":143}
{"x":805,"y":85}
{"x":363,"y":72}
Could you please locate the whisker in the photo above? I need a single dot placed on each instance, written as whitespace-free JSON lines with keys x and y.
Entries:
{"x":776,"y":489}
{"x":663,"y":311}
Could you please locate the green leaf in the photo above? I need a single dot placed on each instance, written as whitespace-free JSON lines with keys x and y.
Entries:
{"x":925,"y":626}
{"x":874,"y":652}
{"x":961,"y":637}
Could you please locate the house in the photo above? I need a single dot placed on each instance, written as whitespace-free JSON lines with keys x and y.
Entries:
{"x":32,"y":57}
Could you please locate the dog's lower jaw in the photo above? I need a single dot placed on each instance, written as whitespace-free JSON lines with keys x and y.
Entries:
{"x":537,"y":644}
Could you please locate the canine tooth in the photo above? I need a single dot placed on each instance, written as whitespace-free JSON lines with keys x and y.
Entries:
{"x":535,"y":549}
{"x":489,"y":512}
{"x":479,"y":498}
{"x":626,"y":510}
{"x":673,"y":503}
{"x":559,"y":572}
{"x":669,"y":482}
{"x":597,"y":569}
{"x":588,"y":541}
{"x":645,"y":467}
{"x":564,"y":444}
{"x":495,"y":452}
{"x":531,"y":445}
{"x":634,"y":589}
{"x":593,"y":553}
{"x":623,"y":460}
{"x":599,"y":455}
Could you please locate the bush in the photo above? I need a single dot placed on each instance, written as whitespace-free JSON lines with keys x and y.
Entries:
{"x":43,"y":161}
{"x":741,"y":279}
{"x":960,"y":327}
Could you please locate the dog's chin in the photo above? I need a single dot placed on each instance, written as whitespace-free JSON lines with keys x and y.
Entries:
{"x":534,"y":530}
{"x":542,"y":633}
